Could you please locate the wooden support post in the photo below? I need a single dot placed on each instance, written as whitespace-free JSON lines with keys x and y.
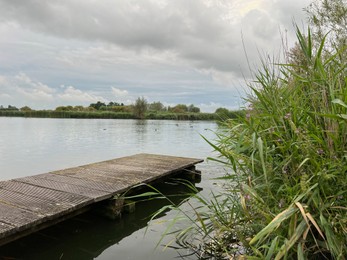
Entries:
{"x":111,"y":208}
{"x":192,"y":174}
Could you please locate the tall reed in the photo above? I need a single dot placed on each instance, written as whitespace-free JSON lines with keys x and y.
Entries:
{"x":286,"y":195}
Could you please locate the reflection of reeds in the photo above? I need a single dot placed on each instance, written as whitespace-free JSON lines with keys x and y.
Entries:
{"x":286,"y":197}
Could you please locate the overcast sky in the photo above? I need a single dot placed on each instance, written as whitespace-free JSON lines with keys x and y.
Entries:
{"x":75,"y":52}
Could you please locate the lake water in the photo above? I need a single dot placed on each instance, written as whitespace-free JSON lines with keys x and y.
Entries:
{"x":31,"y":146}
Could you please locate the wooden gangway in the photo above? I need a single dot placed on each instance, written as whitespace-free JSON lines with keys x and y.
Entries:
{"x":32,"y":203}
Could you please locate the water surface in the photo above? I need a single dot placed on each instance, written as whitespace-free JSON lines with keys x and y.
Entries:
{"x":31,"y":146}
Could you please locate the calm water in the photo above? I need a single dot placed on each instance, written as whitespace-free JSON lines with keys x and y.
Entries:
{"x":33,"y":146}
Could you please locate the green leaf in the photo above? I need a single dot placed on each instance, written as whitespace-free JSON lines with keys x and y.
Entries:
{"x":274,"y":224}
{"x":145,"y":194}
{"x":300,"y":252}
{"x":339,"y":102}
{"x":261,"y":154}
{"x":300,"y":229}
{"x":343,"y":116}
{"x":272,"y":249}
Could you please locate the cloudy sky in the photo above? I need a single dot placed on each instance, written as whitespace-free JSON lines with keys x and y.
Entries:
{"x":75,"y":52}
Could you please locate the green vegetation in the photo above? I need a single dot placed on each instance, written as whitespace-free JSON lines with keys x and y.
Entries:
{"x":225,"y":114}
{"x":285,"y":196}
{"x":140,"y":107}
{"x":113,"y":110}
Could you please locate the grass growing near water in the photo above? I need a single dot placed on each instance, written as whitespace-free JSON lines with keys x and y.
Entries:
{"x":286,"y":197}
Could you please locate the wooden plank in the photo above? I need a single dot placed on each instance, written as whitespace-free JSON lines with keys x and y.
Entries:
{"x":155,"y":161}
{"x":31,"y":203}
{"x":51,"y":197}
{"x":19,"y":219}
{"x":39,"y":206}
{"x":5,"y":227}
{"x":167,"y":164}
{"x":64,"y":186}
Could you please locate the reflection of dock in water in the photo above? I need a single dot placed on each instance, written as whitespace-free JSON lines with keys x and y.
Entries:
{"x":32,"y":203}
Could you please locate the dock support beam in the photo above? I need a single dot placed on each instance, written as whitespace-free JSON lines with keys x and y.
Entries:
{"x":111,"y":208}
{"x":115,"y":207}
{"x":192,"y":174}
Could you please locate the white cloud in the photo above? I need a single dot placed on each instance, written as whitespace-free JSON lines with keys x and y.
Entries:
{"x":119,"y":92}
{"x":34,"y":94}
{"x":23,"y":90}
{"x":23,"y":87}
{"x":33,"y":88}
{"x":74,"y":96}
{"x":172,"y":47}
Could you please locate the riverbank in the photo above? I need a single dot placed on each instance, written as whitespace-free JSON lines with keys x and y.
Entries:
{"x":117,"y":115}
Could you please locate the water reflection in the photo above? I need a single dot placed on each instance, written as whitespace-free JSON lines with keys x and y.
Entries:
{"x":88,"y":235}
{"x":37,"y":145}
{"x":32,"y":146}
{"x":141,"y":132}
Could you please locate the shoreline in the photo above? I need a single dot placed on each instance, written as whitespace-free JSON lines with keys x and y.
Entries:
{"x":108,"y":115}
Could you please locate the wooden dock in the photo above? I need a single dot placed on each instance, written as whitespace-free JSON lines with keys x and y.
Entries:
{"x":32,"y":203}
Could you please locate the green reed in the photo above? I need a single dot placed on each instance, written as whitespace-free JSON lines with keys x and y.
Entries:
{"x":285,"y":195}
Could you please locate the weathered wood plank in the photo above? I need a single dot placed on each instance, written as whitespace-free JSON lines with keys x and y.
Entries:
{"x":52,"y":196}
{"x":31,"y":203}
{"x":39,"y":206}
{"x":18,"y":218}
{"x":37,"y":199}
{"x":5,"y":227}
{"x":67,"y":187}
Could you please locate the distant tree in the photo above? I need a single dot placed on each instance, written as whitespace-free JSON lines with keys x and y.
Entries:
{"x":121,"y":108}
{"x":222,"y":111}
{"x":97,"y":105}
{"x":328,"y":17}
{"x":78,"y":108}
{"x":104,"y":108}
{"x":156,"y":106}
{"x":193,"y":109}
{"x":180,"y":108}
{"x":61,"y":108}
{"x":112,"y":104}
{"x":327,"y":20}
{"x":140,"y":107}
{"x":89,"y":109}
{"x":25,"y":108}
{"x":12,"y":108}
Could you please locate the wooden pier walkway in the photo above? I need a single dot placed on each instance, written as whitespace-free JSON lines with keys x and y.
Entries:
{"x":32,"y":203}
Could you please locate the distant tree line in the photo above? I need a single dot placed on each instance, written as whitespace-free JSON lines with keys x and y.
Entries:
{"x":9,"y":108}
{"x":140,"y":109}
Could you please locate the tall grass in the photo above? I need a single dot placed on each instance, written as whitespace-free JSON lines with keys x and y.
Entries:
{"x":286,"y":195}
